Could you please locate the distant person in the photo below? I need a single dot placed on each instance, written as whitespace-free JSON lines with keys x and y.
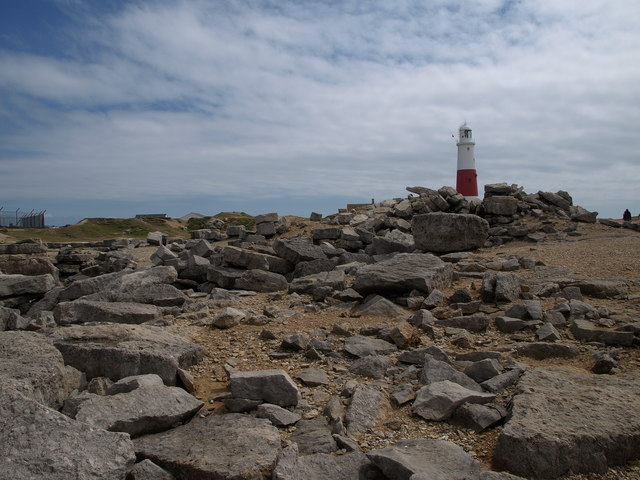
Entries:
{"x":626,"y":216}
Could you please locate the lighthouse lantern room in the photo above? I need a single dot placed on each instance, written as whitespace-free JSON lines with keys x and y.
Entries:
{"x":466,"y":183}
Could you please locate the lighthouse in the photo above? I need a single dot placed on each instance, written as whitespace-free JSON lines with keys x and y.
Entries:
{"x":466,"y":183}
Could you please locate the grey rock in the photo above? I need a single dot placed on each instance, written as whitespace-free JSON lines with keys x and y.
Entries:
{"x":500,"y":205}
{"x":13,"y":285}
{"x":101,"y":385}
{"x":478,"y":417}
{"x":161,"y":295}
{"x":10,"y":319}
{"x":30,"y":364}
{"x":603,"y":363}
{"x":229,"y":317}
{"x":555,"y":199}
{"x":119,"y":280}
{"x":320,"y":466}
{"x":417,"y":356}
{"x":314,"y":266}
{"x":393,"y":241}
{"x":439,"y":400}
{"x":39,"y":442}
{"x":361,"y":346}
{"x":129,"y":384}
{"x":500,"y":382}
{"x":588,"y":332}
{"x":261,"y":281}
{"x":314,"y":436}
{"x":436,"y":371}
{"x":251,"y":259}
{"x":119,"y":350}
{"x":510,"y":324}
{"x":421,"y":459}
{"x":147,"y":409}
{"x":278,"y":416}
{"x":27,"y":265}
{"x":501,"y":287}
{"x":334,"y":279}
{"x":229,"y":446}
{"x":313,"y":377}
{"x":367,"y":408}
{"x":297,"y":250}
{"x":147,"y":470}
{"x":378,"y":306}
{"x":472,"y":323}
{"x":449,"y":232}
{"x":543,"y":350}
{"x":547,"y":333}
{"x":271,"y":386}
{"x":434,"y":299}
{"x":403,"y":273}
{"x":27,"y":246}
{"x":85,"y":311}
{"x":562,"y":421}
{"x":483,"y":370}
{"x":372,"y":366}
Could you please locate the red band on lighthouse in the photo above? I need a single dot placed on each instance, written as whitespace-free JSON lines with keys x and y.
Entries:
{"x":466,"y":183}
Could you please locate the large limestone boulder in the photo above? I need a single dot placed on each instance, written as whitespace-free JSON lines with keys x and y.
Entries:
{"x":11,"y":285}
{"x":33,"y":366}
{"x":271,"y":386}
{"x":147,"y":409}
{"x":423,"y":458}
{"x":230,"y":446}
{"x":27,"y":265}
{"x":124,"y":280}
{"x":39,"y":442}
{"x":449,"y":232}
{"x":84,"y":311}
{"x":403,"y":273}
{"x":567,"y":420}
{"x":119,"y":350}
{"x":500,"y":205}
{"x":159,"y":294}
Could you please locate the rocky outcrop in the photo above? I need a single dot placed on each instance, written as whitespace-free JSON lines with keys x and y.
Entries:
{"x":449,"y":232}
{"x":563,"y":420}
{"x":39,"y":442}
{"x":232,"y":446}
{"x":402,"y":274}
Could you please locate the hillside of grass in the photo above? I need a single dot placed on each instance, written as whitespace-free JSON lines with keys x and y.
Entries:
{"x":92,"y":229}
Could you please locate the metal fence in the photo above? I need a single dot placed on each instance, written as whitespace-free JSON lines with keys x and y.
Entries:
{"x":32,"y":219}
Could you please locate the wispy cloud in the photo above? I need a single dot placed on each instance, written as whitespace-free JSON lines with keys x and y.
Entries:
{"x":164,"y":99}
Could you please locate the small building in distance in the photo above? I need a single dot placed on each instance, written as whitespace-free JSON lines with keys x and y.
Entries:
{"x":152,"y":215}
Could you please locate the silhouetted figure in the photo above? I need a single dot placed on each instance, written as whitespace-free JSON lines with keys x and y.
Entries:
{"x":626,"y":216}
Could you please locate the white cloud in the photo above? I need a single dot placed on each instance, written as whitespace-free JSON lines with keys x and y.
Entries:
{"x":292,"y":99}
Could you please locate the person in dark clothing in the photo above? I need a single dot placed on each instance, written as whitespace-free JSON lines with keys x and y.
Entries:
{"x":626,"y":216}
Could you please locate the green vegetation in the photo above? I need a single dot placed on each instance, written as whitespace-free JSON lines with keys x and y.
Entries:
{"x":91,"y":229}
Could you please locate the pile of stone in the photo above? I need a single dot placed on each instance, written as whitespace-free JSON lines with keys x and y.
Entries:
{"x":94,"y":366}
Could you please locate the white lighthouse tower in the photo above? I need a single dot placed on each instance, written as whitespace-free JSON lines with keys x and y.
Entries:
{"x":466,"y":183}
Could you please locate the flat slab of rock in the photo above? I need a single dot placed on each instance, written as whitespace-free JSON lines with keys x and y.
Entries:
{"x":39,"y":442}
{"x":588,"y":332}
{"x":423,"y":458}
{"x":147,"y":409}
{"x":32,"y":365}
{"x":11,"y":285}
{"x":320,"y":466}
{"x":270,"y":386}
{"x":403,"y":273}
{"x":439,"y":400}
{"x":159,"y":294}
{"x":543,"y":350}
{"x":119,"y":350}
{"x":472,"y":323}
{"x":436,"y":371}
{"x":314,"y":436}
{"x":368,"y":406}
{"x":361,"y":346}
{"x":566,"y":420}
{"x":125,"y":280}
{"x":230,"y":446}
{"x":83,"y":311}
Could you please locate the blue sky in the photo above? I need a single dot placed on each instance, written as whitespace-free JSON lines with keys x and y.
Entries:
{"x":112,"y":108}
